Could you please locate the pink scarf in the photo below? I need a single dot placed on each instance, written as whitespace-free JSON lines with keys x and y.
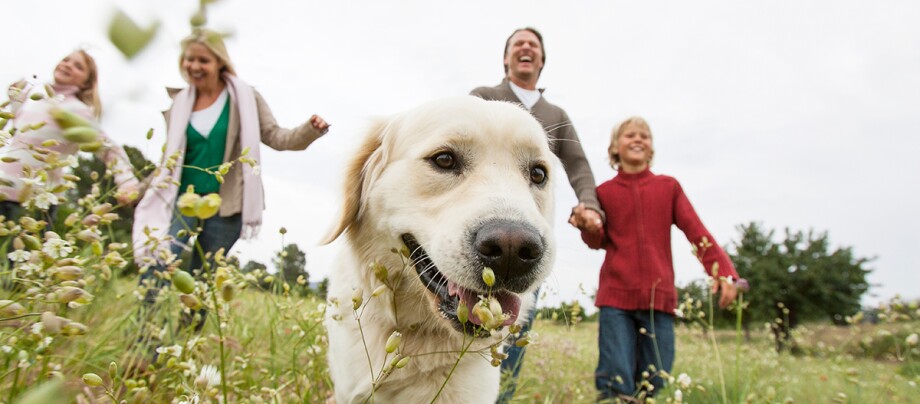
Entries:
{"x":154,"y":213}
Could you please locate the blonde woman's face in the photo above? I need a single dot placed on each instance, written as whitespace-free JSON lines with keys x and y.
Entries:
{"x":73,"y":70}
{"x":201,"y":66}
{"x":635,"y":146}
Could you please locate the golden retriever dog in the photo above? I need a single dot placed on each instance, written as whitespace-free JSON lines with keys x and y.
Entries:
{"x":435,"y":195}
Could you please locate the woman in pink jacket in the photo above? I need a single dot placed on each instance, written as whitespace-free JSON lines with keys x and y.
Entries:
{"x":34,"y":157}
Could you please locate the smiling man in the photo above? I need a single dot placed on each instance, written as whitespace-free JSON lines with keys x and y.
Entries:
{"x":524,"y":58}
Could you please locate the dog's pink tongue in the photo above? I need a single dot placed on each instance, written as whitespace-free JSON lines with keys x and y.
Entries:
{"x":511,"y":303}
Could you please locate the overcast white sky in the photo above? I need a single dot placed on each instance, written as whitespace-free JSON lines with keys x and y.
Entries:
{"x":794,"y":114}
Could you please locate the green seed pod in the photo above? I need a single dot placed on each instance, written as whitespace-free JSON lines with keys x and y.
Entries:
{"x":8,"y":159}
{"x":113,"y":369}
{"x":7,"y":115}
{"x":74,"y":328}
{"x":102,"y":209}
{"x":68,"y":273}
{"x":66,"y":119}
{"x":150,"y":134}
{"x":183,"y":281}
{"x":18,"y":244}
{"x":403,"y":362}
{"x":88,"y":236}
{"x":97,"y":248}
{"x":393,"y":342}
{"x":463,"y":313}
{"x":49,"y":90}
{"x":227,"y":291}
{"x":488,"y":276}
{"x":32,"y":242}
{"x":91,"y":147}
{"x":379,"y":290}
{"x":9,"y":308}
{"x":190,"y":301}
{"x":51,"y":323}
{"x":36,"y":96}
{"x":80,"y":134}
{"x":357,"y":298}
{"x":50,"y":143}
{"x":69,"y":294}
{"x":71,"y":219}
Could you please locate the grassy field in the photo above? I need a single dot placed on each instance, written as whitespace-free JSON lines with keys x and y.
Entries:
{"x":273,"y":349}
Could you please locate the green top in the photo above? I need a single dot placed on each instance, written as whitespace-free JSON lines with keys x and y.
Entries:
{"x":207,"y":153}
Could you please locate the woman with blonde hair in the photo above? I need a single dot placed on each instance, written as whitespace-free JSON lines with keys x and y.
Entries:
{"x":210,"y":124}
{"x":29,"y":180}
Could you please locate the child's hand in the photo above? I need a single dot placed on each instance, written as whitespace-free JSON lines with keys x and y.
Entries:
{"x":586,"y":219}
{"x":728,"y":289}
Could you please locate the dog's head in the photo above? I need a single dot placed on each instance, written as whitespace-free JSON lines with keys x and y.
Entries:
{"x":464,"y":184}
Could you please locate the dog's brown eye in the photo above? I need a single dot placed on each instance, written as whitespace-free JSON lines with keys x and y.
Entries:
{"x":445,"y":160}
{"x":538,"y":175}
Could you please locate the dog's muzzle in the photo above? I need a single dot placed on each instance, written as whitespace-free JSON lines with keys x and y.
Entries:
{"x":512,"y":249}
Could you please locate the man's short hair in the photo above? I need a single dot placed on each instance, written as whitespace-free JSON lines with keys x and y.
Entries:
{"x":539,"y":38}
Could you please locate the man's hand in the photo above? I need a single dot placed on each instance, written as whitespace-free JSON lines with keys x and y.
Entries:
{"x":319,"y":124}
{"x":586,"y":219}
{"x":728,"y":292}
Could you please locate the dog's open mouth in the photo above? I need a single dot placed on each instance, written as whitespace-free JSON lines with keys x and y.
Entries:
{"x":450,"y":294}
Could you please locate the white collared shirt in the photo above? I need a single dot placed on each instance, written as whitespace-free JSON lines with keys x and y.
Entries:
{"x":527,"y":97}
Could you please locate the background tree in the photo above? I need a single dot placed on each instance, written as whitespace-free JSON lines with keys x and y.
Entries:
{"x":797,"y":279}
{"x":291,"y":263}
{"x":253,"y":266}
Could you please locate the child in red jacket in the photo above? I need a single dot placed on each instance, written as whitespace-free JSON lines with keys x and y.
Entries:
{"x":636,"y":293}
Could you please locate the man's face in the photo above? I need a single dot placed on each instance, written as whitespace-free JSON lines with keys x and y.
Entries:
{"x":524,"y":57}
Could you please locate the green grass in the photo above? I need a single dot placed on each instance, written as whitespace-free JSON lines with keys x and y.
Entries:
{"x":274,"y":350}
{"x":560,"y":367}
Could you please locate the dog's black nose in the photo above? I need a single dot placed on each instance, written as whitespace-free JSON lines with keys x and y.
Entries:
{"x":512,"y":249}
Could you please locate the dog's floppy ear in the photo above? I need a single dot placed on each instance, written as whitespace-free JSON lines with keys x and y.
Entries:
{"x":363,"y":169}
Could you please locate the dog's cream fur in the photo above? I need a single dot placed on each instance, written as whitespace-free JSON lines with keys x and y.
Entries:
{"x":393,"y":187}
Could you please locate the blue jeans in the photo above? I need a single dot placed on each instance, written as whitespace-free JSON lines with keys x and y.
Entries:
{"x":216,"y":232}
{"x":625,"y":352}
{"x":511,"y":366}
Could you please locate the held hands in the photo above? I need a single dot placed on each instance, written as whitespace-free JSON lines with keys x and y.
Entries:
{"x":319,"y":124}
{"x":586,"y":219}
{"x":728,"y":291}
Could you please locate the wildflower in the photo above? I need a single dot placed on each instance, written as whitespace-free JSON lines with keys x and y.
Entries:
{"x":19,"y":255}
{"x":912,"y":339}
{"x":43,"y":200}
{"x":684,"y":380}
{"x":208,"y":377}
{"x":678,"y":396}
{"x":57,"y":248}
{"x":174,"y":350}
